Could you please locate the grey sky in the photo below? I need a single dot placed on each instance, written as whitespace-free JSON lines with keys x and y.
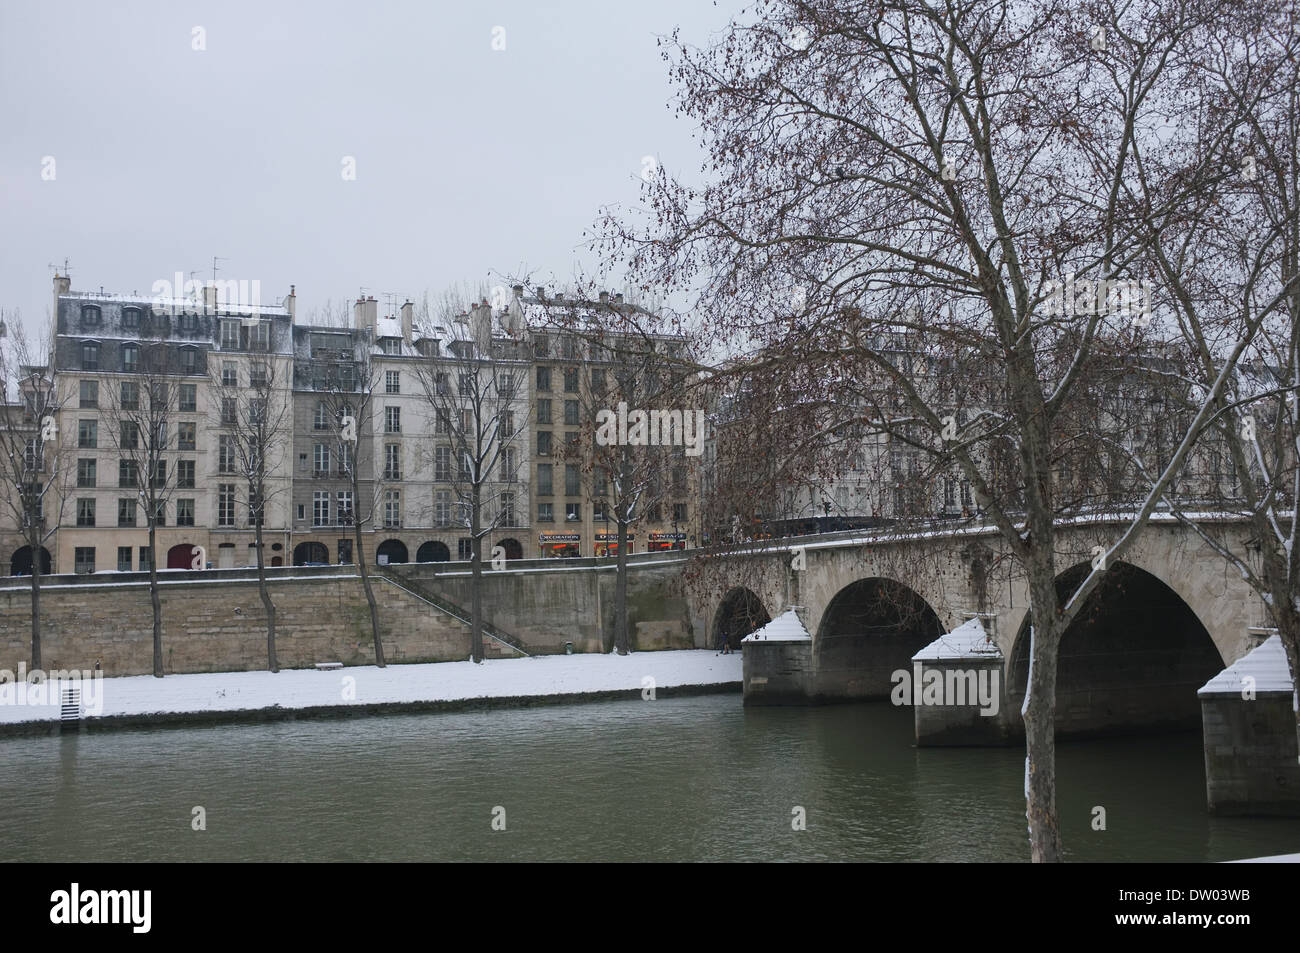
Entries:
{"x":468,"y":159}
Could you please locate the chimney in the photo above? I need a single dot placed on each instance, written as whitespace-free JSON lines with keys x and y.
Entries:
{"x":209,"y":298}
{"x":365,"y":314}
{"x":618,"y":299}
{"x":541,"y":292}
{"x":481,"y":325}
{"x":291,"y":304}
{"x":518,"y":290}
{"x":604,"y":297}
{"x":408,"y":321}
{"x":62,"y":286}
{"x":559,"y":296}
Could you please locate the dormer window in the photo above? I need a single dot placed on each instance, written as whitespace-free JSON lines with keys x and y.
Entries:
{"x":130,"y":318}
{"x":90,"y":316}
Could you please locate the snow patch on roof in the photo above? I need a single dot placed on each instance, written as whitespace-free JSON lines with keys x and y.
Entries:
{"x":784,"y":628}
{"x":968,"y":640}
{"x":1266,"y":664}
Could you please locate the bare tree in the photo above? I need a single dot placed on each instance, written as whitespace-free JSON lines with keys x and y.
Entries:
{"x":348,"y":387}
{"x":140,"y":412}
{"x":257,"y":426}
{"x":938,"y":172}
{"x":33,"y":464}
{"x":474,"y":385}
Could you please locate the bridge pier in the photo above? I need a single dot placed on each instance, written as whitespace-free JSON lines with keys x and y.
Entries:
{"x":958,"y":690}
{"x":1252,"y":761}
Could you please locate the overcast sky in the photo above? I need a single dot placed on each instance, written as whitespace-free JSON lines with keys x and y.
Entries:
{"x":468,"y":159}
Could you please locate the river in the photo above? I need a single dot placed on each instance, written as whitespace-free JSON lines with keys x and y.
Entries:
{"x":671,"y":779}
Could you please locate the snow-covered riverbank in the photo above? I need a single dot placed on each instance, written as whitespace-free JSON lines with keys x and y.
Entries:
{"x":238,"y":696}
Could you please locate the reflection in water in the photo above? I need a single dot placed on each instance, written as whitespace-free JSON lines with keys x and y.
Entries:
{"x":687,"y":779}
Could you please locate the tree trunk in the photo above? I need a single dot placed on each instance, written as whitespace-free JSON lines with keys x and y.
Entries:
{"x":272,"y":662}
{"x":476,"y":579}
{"x":36,"y":604}
{"x":370,"y":593}
{"x":620,"y":592}
{"x":156,"y":603}
{"x":1040,"y":722}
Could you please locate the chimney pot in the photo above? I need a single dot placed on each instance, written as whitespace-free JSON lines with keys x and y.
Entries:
{"x":604,"y":297}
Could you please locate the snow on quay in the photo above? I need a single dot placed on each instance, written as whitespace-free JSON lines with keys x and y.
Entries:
{"x":551,"y":677}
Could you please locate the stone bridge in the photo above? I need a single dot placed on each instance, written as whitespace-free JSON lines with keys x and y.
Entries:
{"x":1166,"y":619}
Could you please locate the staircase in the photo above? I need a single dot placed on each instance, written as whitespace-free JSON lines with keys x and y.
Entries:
{"x":506,"y":646}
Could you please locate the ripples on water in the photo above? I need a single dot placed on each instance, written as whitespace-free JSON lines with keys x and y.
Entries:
{"x":672,"y":779}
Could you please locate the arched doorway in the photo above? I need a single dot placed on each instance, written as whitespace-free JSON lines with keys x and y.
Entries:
{"x":870,"y":630}
{"x":394,"y":549}
{"x":432,"y":552}
{"x":740,"y":613}
{"x":513,"y":548}
{"x":20,"y":564}
{"x":310,"y":554}
{"x":1131,"y":660}
{"x":182,"y":556}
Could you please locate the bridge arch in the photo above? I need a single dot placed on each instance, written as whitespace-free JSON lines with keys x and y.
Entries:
{"x":740,"y":613}
{"x":870,"y":629}
{"x":432,"y":551}
{"x":1132,"y":659}
{"x":394,"y":549}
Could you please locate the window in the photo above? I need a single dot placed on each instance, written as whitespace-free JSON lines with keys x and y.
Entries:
{"x":85,"y":512}
{"x":130,"y":319}
{"x":442,"y":507}
{"x":392,"y":461}
{"x":543,"y":443}
{"x":572,"y":512}
{"x":321,"y":459}
{"x":391,"y":345}
{"x":571,"y":413}
{"x":260,"y":336}
{"x":89,"y":356}
{"x":225,"y":454}
{"x":601,"y":477}
{"x":185,"y":474}
{"x":679,"y":512}
{"x":184,"y":512}
{"x":543,"y":378}
{"x":570,"y":380}
{"x":128,"y":435}
{"x":345,"y":507}
{"x":392,"y":508}
{"x":464,"y":548}
{"x":159,"y":513}
{"x":186,"y":435}
{"x":159,"y":395}
{"x":321,"y":419}
{"x":541,"y":346}
{"x":258,"y":374}
{"x":598,"y":513}
{"x":598,"y":382}
{"x":160,"y":474}
{"x":507,"y":509}
{"x":225,"y":504}
{"x":509,"y":464}
{"x":572,"y":478}
{"x":160,"y":441}
{"x":126,"y":511}
{"x":146,"y":559}
{"x":257,"y":411}
{"x":440,"y":383}
{"x":229,"y":411}
{"x":124,"y":559}
{"x":129,"y":395}
{"x":545,"y":512}
{"x":392,"y":382}
{"x":466,"y":385}
{"x":229,"y":374}
{"x":345,"y":459}
{"x":506,"y":386}
{"x":90,"y":393}
{"x":506,"y":425}
{"x":34,"y":456}
{"x":965,"y":493}
{"x":441,"y":423}
{"x":86,"y":473}
{"x":229,"y":335}
{"x":466,"y":467}
{"x":442,"y":464}
{"x":130,"y":358}
{"x":87,"y":434}
{"x":545,"y":485}
{"x":90,"y":316}
{"x":949,"y":493}
{"x":189,"y":398}
{"x":127,"y":473}
{"x":320,"y":508}
{"x":190,"y":360}
{"x":84,"y":559}
{"x":392,"y":420}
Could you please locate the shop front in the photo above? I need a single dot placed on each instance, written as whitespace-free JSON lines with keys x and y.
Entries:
{"x":559,"y":545}
{"x":661,"y":541}
{"x":607,"y":544}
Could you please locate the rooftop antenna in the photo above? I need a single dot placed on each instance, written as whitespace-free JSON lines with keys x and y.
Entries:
{"x":215,"y":259}
{"x":67,"y":273}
